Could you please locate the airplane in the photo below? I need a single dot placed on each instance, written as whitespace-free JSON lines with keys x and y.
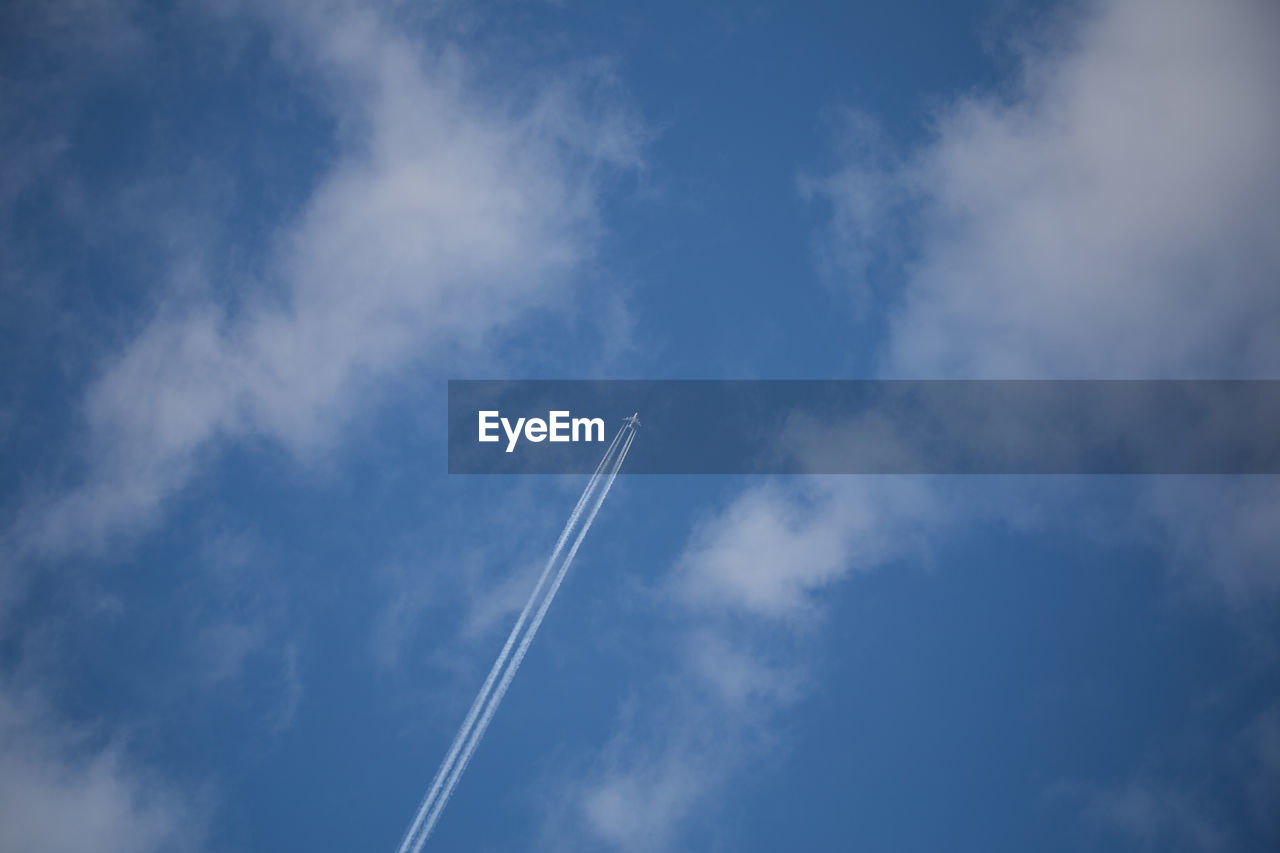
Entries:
{"x":633,"y":421}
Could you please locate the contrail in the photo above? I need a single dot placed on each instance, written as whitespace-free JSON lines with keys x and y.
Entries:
{"x":458,"y":757}
{"x":408,"y":842}
{"x":479,"y":731}
{"x":475,"y":735}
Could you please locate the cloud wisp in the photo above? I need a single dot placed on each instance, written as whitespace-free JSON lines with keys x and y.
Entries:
{"x":442,"y":210}
{"x":1113,"y":215}
{"x":448,"y":214}
{"x":61,"y":790}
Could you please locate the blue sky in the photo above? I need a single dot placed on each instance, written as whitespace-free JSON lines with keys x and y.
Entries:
{"x":244,"y":245}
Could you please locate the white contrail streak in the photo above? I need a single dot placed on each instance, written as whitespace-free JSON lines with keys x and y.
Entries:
{"x":478,"y":732}
{"x":408,"y":842}
{"x":507,"y":676}
{"x":458,"y":757}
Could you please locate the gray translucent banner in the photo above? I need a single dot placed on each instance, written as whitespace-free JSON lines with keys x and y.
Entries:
{"x":869,"y":427}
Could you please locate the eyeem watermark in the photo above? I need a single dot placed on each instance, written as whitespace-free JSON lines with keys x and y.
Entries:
{"x":1072,"y":427}
{"x":558,"y":426}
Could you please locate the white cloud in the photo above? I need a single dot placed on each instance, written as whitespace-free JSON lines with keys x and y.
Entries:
{"x":1223,"y":530}
{"x":449,"y":211}
{"x":449,"y":214}
{"x":637,"y":806}
{"x":773,"y":549}
{"x":1230,"y":807}
{"x":62,"y":793}
{"x":1156,"y":817}
{"x":669,"y":754}
{"x":737,"y":674}
{"x":1114,"y":216}
{"x":746,"y":590}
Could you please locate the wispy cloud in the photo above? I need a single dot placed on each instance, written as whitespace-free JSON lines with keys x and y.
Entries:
{"x":745,"y":595}
{"x":1156,"y":817}
{"x":1159,"y":808}
{"x":61,"y":789}
{"x":1112,"y":215}
{"x":449,"y":213}
{"x":450,"y":206}
{"x":1221,"y":533}
{"x":773,"y":549}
